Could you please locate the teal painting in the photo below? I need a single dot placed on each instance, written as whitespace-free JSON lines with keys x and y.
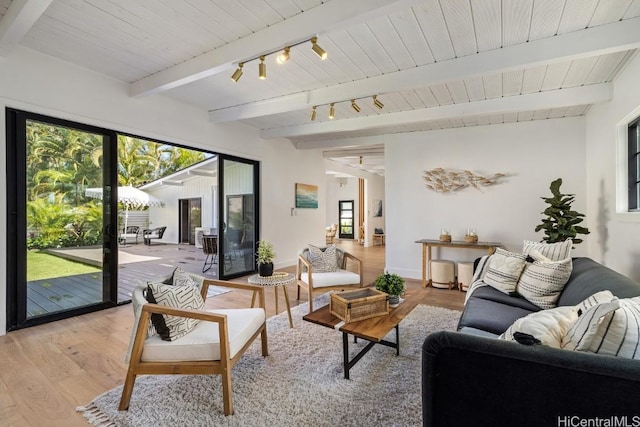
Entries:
{"x":306,"y":196}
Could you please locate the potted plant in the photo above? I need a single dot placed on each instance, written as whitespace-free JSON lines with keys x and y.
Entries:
{"x":265,"y":256}
{"x":392,"y":284}
{"x":561,"y":222}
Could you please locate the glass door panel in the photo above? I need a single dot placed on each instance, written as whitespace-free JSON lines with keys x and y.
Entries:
{"x":345,"y":215}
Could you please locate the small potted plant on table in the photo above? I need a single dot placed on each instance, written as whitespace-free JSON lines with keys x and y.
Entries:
{"x":264,"y":257}
{"x":392,"y":284}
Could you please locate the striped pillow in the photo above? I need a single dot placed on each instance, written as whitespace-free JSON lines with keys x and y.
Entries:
{"x":504,"y":270}
{"x":554,"y":251}
{"x":611,"y":328}
{"x":595,"y":299}
{"x":542,"y":281}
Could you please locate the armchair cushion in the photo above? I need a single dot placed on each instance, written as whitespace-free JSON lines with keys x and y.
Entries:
{"x":169,"y":327}
{"x":336,"y":278}
{"x":323,"y":260}
{"x":203,"y":342}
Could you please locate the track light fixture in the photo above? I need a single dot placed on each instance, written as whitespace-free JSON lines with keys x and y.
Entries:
{"x":238,"y":73}
{"x":317,"y":49}
{"x":355,"y":106}
{"x":377,"y":103}
{"x":262,"y":69}
{"x":313,"y":113}
{"x":332,"y":111}
{"x":284,"y":56}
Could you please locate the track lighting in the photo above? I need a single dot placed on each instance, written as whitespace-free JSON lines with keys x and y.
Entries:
{"x":317,"y":49}
{"x":355,"y":106}
{"x":313,"y":113}
{"x":238,"y":73}
{"x":284,"y":56}
{"x":332,"y":111}
{"x":377,"y":103}
{"x":262,"y":69}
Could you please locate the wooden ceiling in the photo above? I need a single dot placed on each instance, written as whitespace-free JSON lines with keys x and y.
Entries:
{"x":434,"y":64}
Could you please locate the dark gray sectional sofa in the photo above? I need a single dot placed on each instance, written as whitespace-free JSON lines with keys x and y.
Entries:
{"x":470,"y":378}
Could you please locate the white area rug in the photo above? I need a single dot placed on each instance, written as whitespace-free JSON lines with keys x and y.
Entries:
{"x":300,"y":383}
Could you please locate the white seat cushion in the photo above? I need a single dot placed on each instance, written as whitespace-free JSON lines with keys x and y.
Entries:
{"x":336,"y":278}
{"x":203,"y":342}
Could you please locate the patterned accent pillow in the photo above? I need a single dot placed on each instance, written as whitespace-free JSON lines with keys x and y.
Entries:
{"x":182,"y":278}
{"x":323,"y":260}
{"x":554,"y":251}
{"x":542,"y":281}
{"x":170,"y":328}
{"x":585,"y":330}
{"x":504,"y":270}
{"x":595,"y":299}
{"x":548,"y":326}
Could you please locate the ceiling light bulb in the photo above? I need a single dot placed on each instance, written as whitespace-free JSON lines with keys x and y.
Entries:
{"x":238,"y":73}
{"x":332,"y":111}
{"x":313,"y":113}
{"x":317,"y":49}
{"x":377,"y":103}
{"x":284,"y":56}
{"x":262,"y":69}
{"x":355,"y":106}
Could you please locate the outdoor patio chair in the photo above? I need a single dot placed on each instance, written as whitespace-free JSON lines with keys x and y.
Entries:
{"x":210,"y":249}
{"x":155,"y":233}
{"x":214,"y":345}
{"x":131,"y":232}
{"x":326,"y":270}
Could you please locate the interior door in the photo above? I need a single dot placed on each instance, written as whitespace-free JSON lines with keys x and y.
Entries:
{"x":239,"y":220}
{"x":346,"y":218}
{"x":52,"y":218}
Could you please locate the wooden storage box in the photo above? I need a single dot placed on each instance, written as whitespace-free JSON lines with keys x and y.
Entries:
{"x":352,"y":306}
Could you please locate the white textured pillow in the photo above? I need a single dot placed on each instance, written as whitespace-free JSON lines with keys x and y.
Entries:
{"x":554,"y":251}
{"x":504,"y":270}
{"x":323,"y":261}
{"x":614,"y":331}
{"x":542,"y":281}
{"x":549,"y":326}
{"x":169,"y":327}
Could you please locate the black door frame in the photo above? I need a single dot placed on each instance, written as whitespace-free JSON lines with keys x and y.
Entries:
{"x":182,"y":219}
{"x":342,"y":235}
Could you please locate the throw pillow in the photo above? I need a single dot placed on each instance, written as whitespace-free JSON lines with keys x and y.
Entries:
{"x":169,"y":327}
{"x":584,"y":330}
{"x":542,"y":281}
{"x":548,"y":326}
{"x":554,"y":251}
{"x":182,"y":278}
{"x":504,"y":270}
{"x":323,"y":261}
{"x":616,"y":332}
{"x":595,"y":299}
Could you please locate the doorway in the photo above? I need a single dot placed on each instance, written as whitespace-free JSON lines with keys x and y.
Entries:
{"x":190,"y":217}
{"x":346,"y":219}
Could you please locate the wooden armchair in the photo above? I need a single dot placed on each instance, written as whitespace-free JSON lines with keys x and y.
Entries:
{"x":314,"y":281}
{"x":214,"y":346}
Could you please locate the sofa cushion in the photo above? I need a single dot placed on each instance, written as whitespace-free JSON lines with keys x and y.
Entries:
{"x":490,"y":316}
{"x":554,"y":251}
{"x":504,"y":270}
{"x":542,"y":281}
{"x":491,"y":294}
{"x":337,"y":278}
{"x":548,"y":326}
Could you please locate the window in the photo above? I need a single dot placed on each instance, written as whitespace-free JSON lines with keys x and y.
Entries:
{"x":634,"y":165}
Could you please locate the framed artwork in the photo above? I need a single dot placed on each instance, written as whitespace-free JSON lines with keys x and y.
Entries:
{"x":377,"y":208}
{"x":306,"y":196}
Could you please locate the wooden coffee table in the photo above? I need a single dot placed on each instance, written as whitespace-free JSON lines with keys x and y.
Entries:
{"x":373,"y":330}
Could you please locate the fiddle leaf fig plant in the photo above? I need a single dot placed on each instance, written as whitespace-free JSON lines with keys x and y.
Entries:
{"x":561,"y":222}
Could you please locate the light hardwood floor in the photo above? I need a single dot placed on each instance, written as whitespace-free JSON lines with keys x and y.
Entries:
{"x":48,"y":370}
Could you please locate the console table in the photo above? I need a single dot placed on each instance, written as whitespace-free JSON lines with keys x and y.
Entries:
{"x":427,"y":244}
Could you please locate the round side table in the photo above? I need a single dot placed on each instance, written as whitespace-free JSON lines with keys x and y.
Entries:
{"x":276,"y":280}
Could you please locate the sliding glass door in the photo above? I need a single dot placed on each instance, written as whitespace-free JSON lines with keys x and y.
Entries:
{"x":62,"y":249}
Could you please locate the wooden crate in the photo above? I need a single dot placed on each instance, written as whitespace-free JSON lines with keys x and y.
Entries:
{"x":352,"y":306}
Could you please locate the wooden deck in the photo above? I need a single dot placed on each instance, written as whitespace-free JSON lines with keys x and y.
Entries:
{"x":56,"y":294}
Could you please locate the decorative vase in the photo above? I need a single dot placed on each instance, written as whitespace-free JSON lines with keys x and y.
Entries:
{"x":265,"y":269}
{"x":394,"y":300}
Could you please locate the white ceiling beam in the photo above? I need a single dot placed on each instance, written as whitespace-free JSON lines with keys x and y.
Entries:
{"x":604,"y":39}
{"x":329,"y":16}
{"x":196,"y":172}
{"x":18,"y":20}
{"x":582,"y":95}
{"x":168,"y":182}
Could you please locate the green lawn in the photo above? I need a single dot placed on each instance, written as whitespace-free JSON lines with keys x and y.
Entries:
{"x":44,"y":266}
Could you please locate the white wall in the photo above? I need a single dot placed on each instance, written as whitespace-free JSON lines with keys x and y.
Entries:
{"x":41,"y":84}
{"x":532,"y":153}
{"x":614,"y":239}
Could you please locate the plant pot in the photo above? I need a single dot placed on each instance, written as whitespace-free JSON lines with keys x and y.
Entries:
{"x":265,"y":269}
{"x":394,"y":300}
